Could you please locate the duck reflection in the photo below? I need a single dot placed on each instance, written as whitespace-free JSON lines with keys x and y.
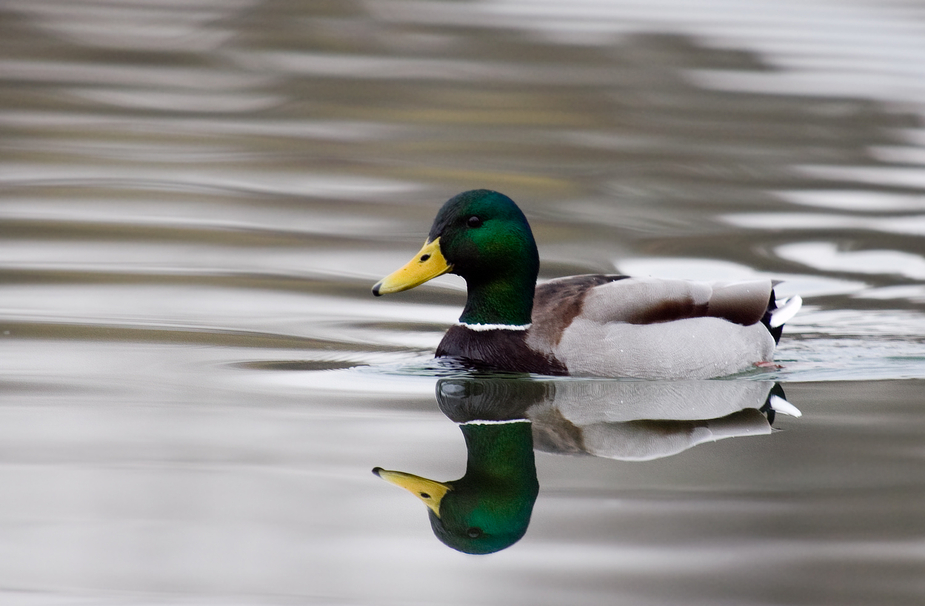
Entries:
{"x":504,"y":419}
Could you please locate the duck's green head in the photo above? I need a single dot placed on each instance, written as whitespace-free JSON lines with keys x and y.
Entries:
{"x":484,"y":237}
{"x":489,"y":508}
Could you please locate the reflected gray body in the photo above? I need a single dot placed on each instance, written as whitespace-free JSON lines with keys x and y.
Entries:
{"x":629,"y":420}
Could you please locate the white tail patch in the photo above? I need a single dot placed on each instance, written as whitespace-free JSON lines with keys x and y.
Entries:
{"x":783,"y":406}
{"x":787,"y":310}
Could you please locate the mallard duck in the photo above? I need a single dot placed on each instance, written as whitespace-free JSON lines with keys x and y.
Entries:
{"x":604,"y":325}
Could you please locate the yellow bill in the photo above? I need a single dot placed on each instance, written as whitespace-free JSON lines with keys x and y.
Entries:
{"x":426,"y":265}
{"x":429,"y":491}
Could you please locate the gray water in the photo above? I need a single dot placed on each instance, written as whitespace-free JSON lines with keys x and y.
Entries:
{"x":195,"y":381}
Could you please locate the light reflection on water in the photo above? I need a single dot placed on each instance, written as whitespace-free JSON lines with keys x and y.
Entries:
{"x":195,"y":380}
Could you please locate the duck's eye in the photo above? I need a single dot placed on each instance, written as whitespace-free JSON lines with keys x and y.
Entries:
{"x":474,"y":221}
{"x":474,"y":532}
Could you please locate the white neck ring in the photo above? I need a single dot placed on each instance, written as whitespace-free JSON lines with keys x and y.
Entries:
{"x":480,"y":327}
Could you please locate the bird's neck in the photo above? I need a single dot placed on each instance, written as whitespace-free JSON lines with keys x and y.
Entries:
{"x":505,"y":301}
{"x":500,"y":451}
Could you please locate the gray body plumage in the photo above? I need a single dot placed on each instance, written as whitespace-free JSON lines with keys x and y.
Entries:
{"x":652,"y":328}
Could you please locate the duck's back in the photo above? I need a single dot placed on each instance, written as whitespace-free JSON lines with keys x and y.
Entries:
{"x":617,"y":326}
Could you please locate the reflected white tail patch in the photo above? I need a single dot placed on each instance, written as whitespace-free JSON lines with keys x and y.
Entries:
{"x":783,"y":406}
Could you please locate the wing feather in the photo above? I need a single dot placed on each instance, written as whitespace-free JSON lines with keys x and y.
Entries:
{"x":652,"y":301}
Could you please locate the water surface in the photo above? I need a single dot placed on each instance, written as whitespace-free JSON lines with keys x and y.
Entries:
{"x":195,"y":380}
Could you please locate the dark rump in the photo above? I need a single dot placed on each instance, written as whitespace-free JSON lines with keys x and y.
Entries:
{"x":766,"y":318}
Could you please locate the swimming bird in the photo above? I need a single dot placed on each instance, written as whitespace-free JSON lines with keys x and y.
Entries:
{"x":605,"y":325}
